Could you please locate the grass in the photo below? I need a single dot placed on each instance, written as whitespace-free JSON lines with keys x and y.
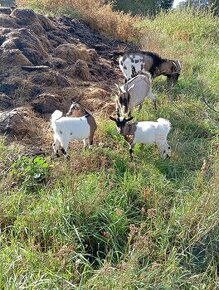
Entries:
{"x":100,"y":221}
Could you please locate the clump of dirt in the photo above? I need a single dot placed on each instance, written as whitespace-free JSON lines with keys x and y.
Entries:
{"x":81,"y":70}
{"x":45,"y":63}
{"x":22,"y":123}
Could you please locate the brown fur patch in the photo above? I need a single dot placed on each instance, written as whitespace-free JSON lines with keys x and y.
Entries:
{"x":93,"y":126}
{"x":166,"y":67}
{"x":148,"y":62}
{"x":129,"y":129}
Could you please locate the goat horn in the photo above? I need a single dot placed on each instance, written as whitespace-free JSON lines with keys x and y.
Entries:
{"x":177,"y":64}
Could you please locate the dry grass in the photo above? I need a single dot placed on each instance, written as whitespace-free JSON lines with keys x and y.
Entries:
{"x":99,"y":15}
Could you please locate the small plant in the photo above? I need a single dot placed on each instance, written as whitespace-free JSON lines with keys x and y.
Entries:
{"x":30,"y":171}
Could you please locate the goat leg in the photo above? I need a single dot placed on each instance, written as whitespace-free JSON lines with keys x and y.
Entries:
{"x":155,"y":104}
{"x":131,"y":147}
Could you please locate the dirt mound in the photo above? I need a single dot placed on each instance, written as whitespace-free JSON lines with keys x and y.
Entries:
{"x":48,"y":103}
{"x":47,"y":61}
{"x":20,"y":123}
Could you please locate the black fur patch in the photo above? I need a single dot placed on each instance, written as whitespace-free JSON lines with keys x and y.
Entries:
{"x":63,"y":151}
{"x":133,"y":71}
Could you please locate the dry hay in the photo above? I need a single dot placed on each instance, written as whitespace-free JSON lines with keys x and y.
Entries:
{"x":71,"y":53}
{"x":97,"y":93}
{"x":13,"y":57}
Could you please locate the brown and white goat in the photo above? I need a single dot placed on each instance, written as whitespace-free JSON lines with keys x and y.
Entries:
{"x":131,"y":63}
{"x":133,"y":93}
{"x":79,"y":124}
{"x":145,"y":132}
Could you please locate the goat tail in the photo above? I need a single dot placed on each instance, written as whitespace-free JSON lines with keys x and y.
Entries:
{"x":164,"y":122}
{"x":56,"y":115}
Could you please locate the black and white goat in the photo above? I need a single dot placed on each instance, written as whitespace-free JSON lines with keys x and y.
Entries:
{"x":133,"y":93}
{"x":131,"y":63}
{"x":145,"y":132}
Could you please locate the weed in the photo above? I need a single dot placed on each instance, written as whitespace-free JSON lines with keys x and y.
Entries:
{"x":30,"y":172}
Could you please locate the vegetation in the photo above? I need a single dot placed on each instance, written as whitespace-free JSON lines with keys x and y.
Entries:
{"x":99,"y":15}
{"x":143,"y":7}
{"x":100,"y":221}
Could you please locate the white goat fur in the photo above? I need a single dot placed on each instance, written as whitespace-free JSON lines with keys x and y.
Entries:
{"x":127,"y":64}
{"x":149,"y":132}
{"x":138,"y":88}
{"x":67,"y":129}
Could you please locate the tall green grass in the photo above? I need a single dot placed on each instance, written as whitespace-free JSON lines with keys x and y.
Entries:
{"x":101,"y":221}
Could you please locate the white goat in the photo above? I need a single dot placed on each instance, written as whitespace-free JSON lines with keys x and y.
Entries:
{"x":67,"y":129}
{"x":133,"y":93}
{"x":145,"y":132}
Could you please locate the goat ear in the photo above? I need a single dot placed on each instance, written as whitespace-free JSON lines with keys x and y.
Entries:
{"x":131,"y":88}
{"x":178,"y":65}
{"x":174,"y":67}
{"x":113,"y":119}
{"x":118,"y":87}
